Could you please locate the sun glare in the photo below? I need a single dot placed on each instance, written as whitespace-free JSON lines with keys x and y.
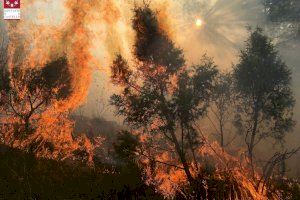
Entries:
{"x":199,"y":22}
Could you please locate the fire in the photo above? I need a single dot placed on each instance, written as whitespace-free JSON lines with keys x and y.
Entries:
{"x":162,"y":170}
{"x":52,"y":135}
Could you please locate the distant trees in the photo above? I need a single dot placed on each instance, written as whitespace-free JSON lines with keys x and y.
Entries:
{"x":283,"y":11}
{"x":286,"y":14}
{"x":162,"y":97}
{"x":265,"y":98}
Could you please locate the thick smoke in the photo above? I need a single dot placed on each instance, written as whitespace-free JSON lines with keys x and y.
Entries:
{"x":221,"y":36}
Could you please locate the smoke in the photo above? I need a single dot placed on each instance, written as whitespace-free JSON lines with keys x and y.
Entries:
{"x":221,"y":36}
{"x":222,"y":30}
{"x":290,"y":54}
{"x":88,"y":33}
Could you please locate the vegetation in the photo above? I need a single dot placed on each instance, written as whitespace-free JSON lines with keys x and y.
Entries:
{"x":23,"y":176}
{"x":223,"y":99}
{"x":263,"y":85}
{"x":32,"y":91}
{"x":164,"y":99}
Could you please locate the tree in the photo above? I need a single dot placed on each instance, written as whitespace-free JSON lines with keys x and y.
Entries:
{"x":223,"y":98}
{"x":162,"y":97}
{"x":126,"y":146}
{"x":263,"y":84}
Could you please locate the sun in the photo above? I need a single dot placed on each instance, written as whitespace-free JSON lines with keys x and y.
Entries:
{"x":199,"y":22}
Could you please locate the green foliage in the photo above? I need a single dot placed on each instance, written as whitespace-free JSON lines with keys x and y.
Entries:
{"x":223,"y":94}
{"x":56,"y":74}
{"x":53,"y":76}
{"x":141,"y":104}
{"x":147,"y":94}
{"x":263,"y":84}
{"x":194,"y":91}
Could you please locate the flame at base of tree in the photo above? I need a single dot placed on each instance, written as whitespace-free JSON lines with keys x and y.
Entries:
{"x":52,"y":139}
{"x":218,"y":174}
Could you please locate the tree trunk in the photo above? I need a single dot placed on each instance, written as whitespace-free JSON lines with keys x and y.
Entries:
{"x":27,"y":125}
{"x":191,"y":148}
{"x":221,"y":134}
{"x":180,"y":152}
{"x":253,"y":136}
{"x":182,"y":158}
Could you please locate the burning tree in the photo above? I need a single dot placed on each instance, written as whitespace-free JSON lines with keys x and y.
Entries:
{"x":33,"y":90}
{"x":163,"y":97}
{"x":162,"y":100}
{"x":29,"y":118}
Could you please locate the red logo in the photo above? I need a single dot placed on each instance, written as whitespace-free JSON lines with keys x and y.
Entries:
{"x":11,"y":4}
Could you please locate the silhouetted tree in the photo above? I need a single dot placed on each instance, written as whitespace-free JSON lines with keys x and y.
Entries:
{"x":223,"y":98}
{"x":265,"y":97}
{"x":162,"y":96}
{"x":126,"y":146}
